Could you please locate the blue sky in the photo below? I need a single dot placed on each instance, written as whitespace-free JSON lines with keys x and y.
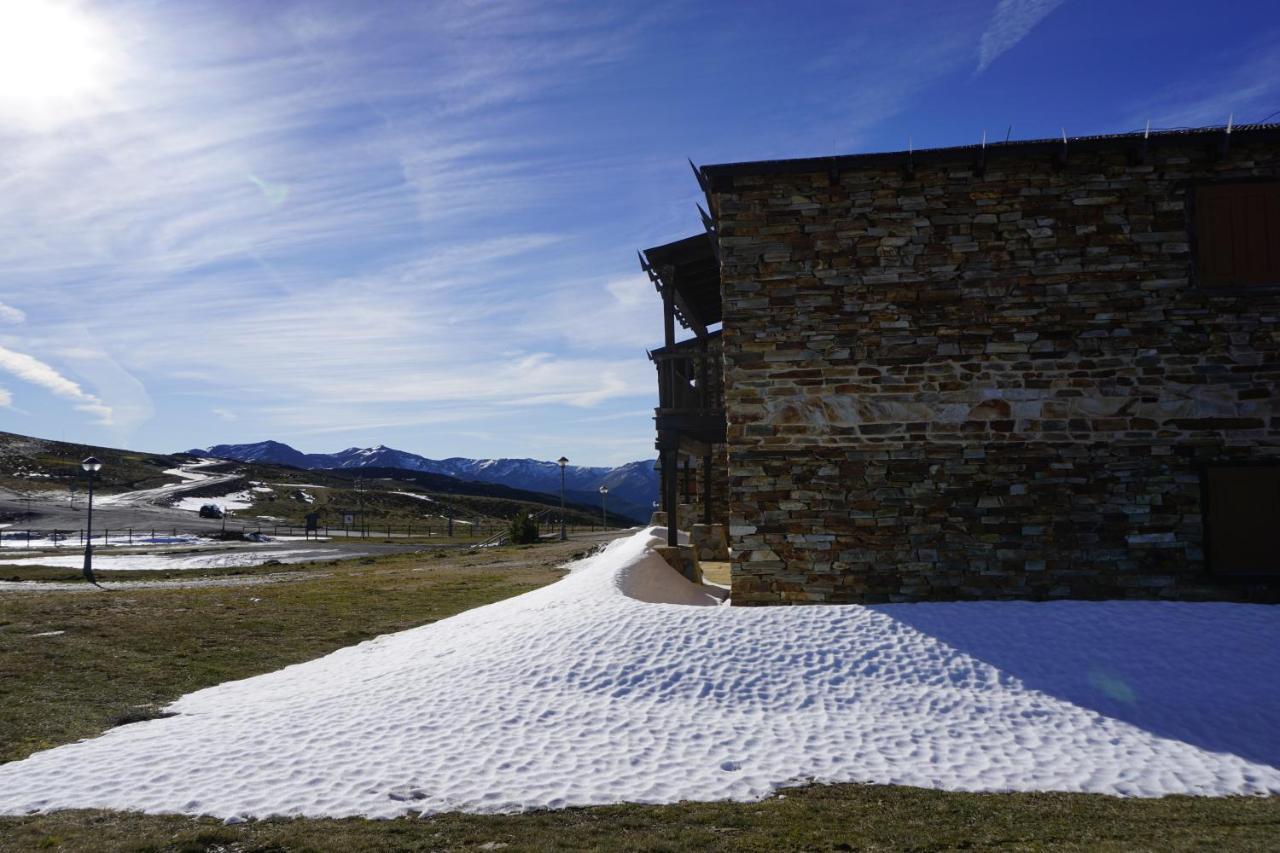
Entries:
{"x":415,"y":224}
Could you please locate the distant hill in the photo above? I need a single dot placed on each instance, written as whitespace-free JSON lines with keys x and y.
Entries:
{"x":28,"y":463}
{"x":632,"y":487}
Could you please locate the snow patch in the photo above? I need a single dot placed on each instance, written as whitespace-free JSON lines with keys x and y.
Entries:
{"x":415,"y":495}
{"x":181,"y":562}
{"x":234,"y":501}
{"x":614,"y":685}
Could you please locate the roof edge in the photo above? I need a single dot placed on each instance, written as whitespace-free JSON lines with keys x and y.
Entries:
{"x":845,"y":162}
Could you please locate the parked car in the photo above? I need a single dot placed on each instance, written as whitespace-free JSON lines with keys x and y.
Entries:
{"x":211,"y":511}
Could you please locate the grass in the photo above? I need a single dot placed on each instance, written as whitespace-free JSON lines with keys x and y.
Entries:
{"x":125,"y":654}
{"x":838,"y":817}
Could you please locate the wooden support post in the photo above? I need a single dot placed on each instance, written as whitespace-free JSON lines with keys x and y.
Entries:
{"x":669,"y":311}
{"x":706,"y":489}
{"x":670,"y":492}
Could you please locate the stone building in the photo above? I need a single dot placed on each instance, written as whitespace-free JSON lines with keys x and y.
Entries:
{"x":1034,"y":370}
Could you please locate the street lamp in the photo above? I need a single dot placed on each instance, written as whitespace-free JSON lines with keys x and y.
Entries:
{"x":562,"y":462}
{"x":91,"y":466}
{"x":604,"y":515}
{"x":360,"y":504}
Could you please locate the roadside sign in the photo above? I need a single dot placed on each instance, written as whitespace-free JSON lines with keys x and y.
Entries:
{"x":348,"y":520}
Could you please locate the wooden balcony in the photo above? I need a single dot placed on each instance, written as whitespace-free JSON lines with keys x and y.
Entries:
{"x":690,"y":413}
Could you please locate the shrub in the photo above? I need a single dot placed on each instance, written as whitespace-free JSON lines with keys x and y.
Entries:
{"x":524,"y":529}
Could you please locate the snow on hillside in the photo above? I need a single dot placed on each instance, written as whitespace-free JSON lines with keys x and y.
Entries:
{"x":235,"y":501}
{"x":632,"y":486}
{"x":617,"y":684}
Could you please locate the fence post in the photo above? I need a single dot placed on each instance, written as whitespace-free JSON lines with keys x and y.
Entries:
{"x":130,"y":535}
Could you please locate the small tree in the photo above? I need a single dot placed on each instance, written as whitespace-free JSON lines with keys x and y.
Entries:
{"x":524,"y":529}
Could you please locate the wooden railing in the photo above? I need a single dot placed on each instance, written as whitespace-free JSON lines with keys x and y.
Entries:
{"x":690,"y":379}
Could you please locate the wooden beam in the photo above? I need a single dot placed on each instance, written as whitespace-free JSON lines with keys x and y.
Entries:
{"x":670,"y":494}
{"x":668,"y":310}
{"x":706,"y":489}
{"x":671,"y":288}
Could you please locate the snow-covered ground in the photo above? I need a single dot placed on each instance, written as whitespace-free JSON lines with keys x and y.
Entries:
{"x":18,"y":540}
{"x":238,"y":500}
{"x":182,"y":562}
{"x":415,"y":495}
{"x":193,"y":475}
{"x":624,"y":682}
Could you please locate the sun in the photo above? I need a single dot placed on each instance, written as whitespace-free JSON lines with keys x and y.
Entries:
{"x":54,"y":57}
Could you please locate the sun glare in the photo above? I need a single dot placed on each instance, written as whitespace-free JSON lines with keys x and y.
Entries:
{"x":54,"y":58}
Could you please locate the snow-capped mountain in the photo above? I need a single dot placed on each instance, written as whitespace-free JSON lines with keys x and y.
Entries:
{"x":633,"y":486}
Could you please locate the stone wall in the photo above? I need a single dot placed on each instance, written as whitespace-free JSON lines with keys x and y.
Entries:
{"x":953,"y":385}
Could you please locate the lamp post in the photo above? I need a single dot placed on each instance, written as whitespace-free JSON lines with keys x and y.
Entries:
{"x":360,"y":503}
{"x":604,"y":515}
{"x":562,"y":462}
{"x":91,"y":466}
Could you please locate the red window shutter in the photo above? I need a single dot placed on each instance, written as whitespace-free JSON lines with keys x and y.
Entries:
{"x":1237,"y":230}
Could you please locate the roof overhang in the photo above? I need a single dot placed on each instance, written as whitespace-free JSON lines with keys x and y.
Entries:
{"x":689,"y":270}
{"x":712,"y":177}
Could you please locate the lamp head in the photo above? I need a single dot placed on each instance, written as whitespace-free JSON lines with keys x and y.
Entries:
{"x":562,"y":462}
{"x":604,"y":490}
{"x":92,"y":465}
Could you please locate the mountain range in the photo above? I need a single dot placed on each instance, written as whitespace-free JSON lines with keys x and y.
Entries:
{"x":633,"y":487}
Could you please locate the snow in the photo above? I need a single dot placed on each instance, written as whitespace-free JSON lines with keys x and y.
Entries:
{"x":180,"y":562}
{"x":614,"y":685}
{"x":414,"y":495}
{"x":44,"y":539}
{"x":238,"y":500}
{"x":187,"y":473}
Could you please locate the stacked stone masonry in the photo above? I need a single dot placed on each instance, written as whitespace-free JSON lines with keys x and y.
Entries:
{"x":953,"y":385}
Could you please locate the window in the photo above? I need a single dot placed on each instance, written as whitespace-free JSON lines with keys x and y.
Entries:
{"x":1237,"y":234}
{"x":1242,"y":519}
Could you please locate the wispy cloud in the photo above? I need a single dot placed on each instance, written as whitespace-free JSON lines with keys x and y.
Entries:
{"x":310,"y":211}
{"x":1010,"y":23}
{"x":9,"y":314}
{"x":1246,"y":83}
{"x":38,"y":373}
